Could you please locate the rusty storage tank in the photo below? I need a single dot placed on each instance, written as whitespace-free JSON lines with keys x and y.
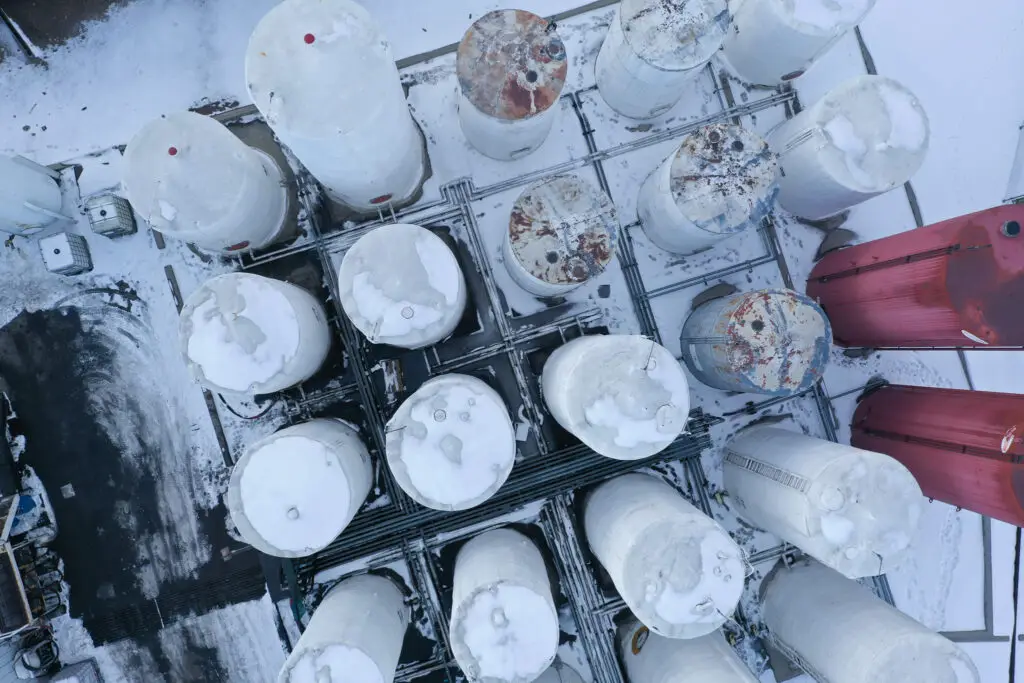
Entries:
{"x":292,"y":493}
{"x":772,"y":41}
{"x":853,"y":510}
{"x":511,"y":66}
{"x":677,"y":569}
{"x":354,"y":636}
{"x":30,"y":198}
{"x":650,"y":658}
{"x":721,"y":181}
{"x":954,"y":283}
{"x":322,"y":74}
{"x":504,"y":622}
{"x":862,"y":139}
{"x":771,"y":341}
{"x":561,"y":234}
{"x":401,"y":285}
{"x":964,"y":448}
{"x":636,"y":405}
{"x":653,"y":47}
{"x":838,"y":631}
{"x":192,"y":179}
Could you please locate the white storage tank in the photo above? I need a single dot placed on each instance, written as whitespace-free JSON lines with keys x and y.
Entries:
{"x":504,"y":625}
{"x":853,"y":510}
{"x":247,"y":334}
{"x":451,"y":445}
{"x":772,"y":41}
{"x":623,"y":396}
{"x":30,"y":197}
{"x":401,"y":285}
{"x":559,"y":672}
{"x":774,"y":342}
{"x":865,"y":137}
{"x":292,"y":493}
{"x":190,"y":178}
{"x":722,"y":180}
{"x":677,"y":570}
{"x":561,"y":234}
{"x":838,"y":631}
{"x":511,"y":66}
{"x":322,"y":74}
{"x":653,"y":48}
{"x":354,"y":636}
{"x":650,"y":658}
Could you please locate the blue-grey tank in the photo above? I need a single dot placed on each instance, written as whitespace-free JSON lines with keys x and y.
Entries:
{"x":771,"y":341}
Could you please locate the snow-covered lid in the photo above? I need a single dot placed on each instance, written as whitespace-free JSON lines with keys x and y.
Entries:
{"x":633,"y":408}
{"x":674,"y":34}
{"x":401,"y":285}
{"x":724,"y":177}
{"x":562,"y":230}
{"x":334,"y":664}
{"x":506,"y":633}
{"x":867,"y":506}
{"x":185,"y":175}
{"x":294,"y":493}
{"x":451,"y":445}
{"x":238,"y":332}
{"x":311,"y":63}
{"x":511,"y":64}
{"x":559,"y":672}
{"x":683,"y":577}
{"x":828,"y":17}
{"x":877,"y":133}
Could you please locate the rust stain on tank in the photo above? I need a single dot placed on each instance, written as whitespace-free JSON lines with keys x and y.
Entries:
{"x":511,"y":64}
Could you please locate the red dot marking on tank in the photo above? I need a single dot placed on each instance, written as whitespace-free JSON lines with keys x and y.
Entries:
{"x":173,"y":151}
{"x":309,"y":38}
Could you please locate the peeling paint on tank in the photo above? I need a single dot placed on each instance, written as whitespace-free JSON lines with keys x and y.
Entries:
{"x":562,"y":232}
{"x":774,"y":342}
{"x":511,"y":64}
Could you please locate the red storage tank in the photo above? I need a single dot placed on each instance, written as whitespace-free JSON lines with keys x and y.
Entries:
{"x":963,"y":447}
{"x":958,"y":283}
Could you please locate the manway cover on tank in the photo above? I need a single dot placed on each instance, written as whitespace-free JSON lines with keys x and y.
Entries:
{"x":963,"y":447}
{"x":511,"y":64}
{"x":955,"y":283}
{"x":771,"y":341}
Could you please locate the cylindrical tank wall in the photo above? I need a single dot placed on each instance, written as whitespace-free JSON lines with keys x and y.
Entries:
{"x":323,"y":76}
{"x":246,"y":334}
{"x":653,"y":48}
{"x":451,"y":445}
{"x":722,"y":180}
{"x":853,"y":510}
{"x":30,"y":198}
{"x":771,"y":341}
{"x":839,"y":632}
{"x":504,"y":625}
{"x":190,"y":178}
{"x":561,"y":233}
{"x":771,"y":41}
{"x":354,"y":636}
{"x":963,"y":447}
{"x":295,"y":491}
{"x":634,"y":407}
{"x":401,"y":285}
{"x":862,"y":139}
{"x":678,"y":571}
{"x":511,"y":66}
{"x":954,"y":283}
{"x":650,"y":658}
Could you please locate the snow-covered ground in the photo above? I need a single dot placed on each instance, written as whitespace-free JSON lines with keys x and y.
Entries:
{"x":153,"y":57}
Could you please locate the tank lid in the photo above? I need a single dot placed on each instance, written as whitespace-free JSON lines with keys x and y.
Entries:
{"x":724,"y":177}
{"x":563,"y":230}
{"x":825,"y":16}
{"x":511,"y":64}
{"x":335,"y":662}
{"x":316,"y":67}
{"x":674,"y":34}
